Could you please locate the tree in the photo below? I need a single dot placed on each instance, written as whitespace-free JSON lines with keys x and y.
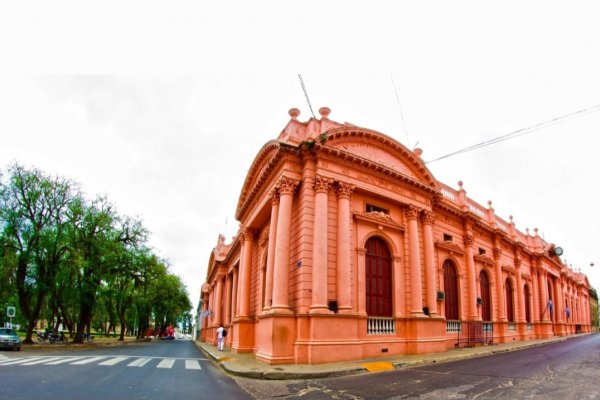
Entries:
{"x":100,"y":239}
{"x":33,"y":219}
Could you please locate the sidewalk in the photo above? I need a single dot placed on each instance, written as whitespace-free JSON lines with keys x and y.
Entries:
{"x":247,"y":366}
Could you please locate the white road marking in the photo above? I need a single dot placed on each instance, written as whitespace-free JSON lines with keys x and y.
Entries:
{"x":42,"y":361}
{"x":114,"y":361}
{"x":65,"y":360}
{"x":88,"y":360}
{"x":166,"y":363}
{"x":140,"y":362}
{"x":192,"y":364}
{"x":20,"y":360}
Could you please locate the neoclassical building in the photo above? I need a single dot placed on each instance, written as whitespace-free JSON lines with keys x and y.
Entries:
{"x":350,"y":248}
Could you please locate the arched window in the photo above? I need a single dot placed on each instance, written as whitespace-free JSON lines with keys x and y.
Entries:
{"x":451,"y":290}
{"x":378,"y":278}
{"x":484,"y":289}
{"x":510,"y":312}
{"x":527,"y":299}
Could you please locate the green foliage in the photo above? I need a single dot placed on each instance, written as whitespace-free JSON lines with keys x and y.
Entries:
{"x":593,"y":293}
{"x":78,"y":263}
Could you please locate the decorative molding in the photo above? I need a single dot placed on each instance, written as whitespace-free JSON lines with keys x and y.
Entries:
{"x":449,"y":246}
{"x":411,"y":212}
{"x":427,"y":217}
{"x":322,"y":184}
{"x":508,"y":268}
{"x":274,"y":195}
{"x":247,"y":234}
{"x":469,"y":240}
{"x":379,"y":218}
{"x":287,"y":185}
{"x":497,"y":253}
{"x":344,"y":190}
{"x":484,"y":259}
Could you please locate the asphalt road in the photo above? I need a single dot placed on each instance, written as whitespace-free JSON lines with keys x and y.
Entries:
{"x":565,"y":370}
{"x":159,"y":370}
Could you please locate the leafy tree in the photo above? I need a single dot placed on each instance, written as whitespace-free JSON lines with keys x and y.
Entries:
{"x":33,"y":220}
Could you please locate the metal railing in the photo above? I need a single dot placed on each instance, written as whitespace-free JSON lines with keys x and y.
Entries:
{"x":452,"y":326}
{"x":475,"y":332}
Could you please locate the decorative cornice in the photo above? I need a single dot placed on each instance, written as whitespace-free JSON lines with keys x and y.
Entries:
{"x":379,"y":218}
{"x":449,"y":246}
{"x":508,"y":268}
{"x":274,"y":195}
{"x":247,"y":234}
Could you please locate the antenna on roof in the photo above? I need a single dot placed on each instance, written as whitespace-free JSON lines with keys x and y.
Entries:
{"x":401,"y":115}
{"x":306,"y":95}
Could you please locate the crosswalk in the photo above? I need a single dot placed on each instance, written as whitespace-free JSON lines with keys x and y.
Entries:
{"x":107,"y":361}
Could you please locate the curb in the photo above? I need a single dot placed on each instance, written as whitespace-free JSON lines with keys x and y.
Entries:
{"x":233,"y":369}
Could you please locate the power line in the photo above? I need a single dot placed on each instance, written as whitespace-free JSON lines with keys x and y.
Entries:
{"x":306,"y":95}
{"x":519,"y":132}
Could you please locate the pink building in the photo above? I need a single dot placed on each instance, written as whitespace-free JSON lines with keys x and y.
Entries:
{"x":350,"y":248}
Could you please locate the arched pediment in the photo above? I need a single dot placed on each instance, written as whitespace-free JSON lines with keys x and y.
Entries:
{"x":382,"y":150}
{"x":263,"y":163}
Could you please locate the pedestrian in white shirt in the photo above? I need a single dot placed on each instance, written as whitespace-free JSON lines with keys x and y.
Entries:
{"x":221,"y":333}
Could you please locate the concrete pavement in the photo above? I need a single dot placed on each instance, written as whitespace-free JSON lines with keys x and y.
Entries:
{"x":246,"y":365}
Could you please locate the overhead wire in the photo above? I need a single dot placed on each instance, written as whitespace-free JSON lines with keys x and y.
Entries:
{"x":519,"y":132}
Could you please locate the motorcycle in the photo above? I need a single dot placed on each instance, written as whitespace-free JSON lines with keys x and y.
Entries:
{"x":58,"y":337}
{"x":42,"y":336}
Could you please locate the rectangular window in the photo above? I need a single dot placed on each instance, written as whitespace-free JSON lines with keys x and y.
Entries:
{"x":481,"y":251}
{"x":372,"y":208}
{"x":447,"y":238}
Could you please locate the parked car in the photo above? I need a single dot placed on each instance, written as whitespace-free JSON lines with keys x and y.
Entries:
{"x":9,"y":339}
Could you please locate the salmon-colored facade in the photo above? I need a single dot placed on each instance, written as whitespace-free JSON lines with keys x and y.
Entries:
{"x":349,"y":248}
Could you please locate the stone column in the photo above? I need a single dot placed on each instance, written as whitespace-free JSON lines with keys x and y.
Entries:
{"x":520,"y":294}
{"x":416,"y":303}
{"x":535,"y":313}
{"x":344,"y":281}
{"x":559,"y":307}
{"x":219,"y":301}
{"x":472,"y":313}
{"x":319,"y":256}
{"x":246,"y":272}
{"x":427,"y":218}
{"x":397,"y":273}
{"x":361,"y":299}
{"x":287,"y":187}
{"x":271,"y":248}
{"x":234,"y":295}
{"x":227,"y":300}
{"x":545,"y":316}
{"x":499,"y":285}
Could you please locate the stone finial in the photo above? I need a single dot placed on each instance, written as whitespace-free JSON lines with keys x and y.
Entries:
{"x":511,"y":218}
{"x":324,"y":111}
{"x":294,"y":112}
{"x":418,"y":151}
{"x":460,"y":184}
{"x":536,"y":231}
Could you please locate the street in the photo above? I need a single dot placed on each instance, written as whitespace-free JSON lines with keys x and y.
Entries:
{"x":157,"y":370}
{"x":565,"y":370}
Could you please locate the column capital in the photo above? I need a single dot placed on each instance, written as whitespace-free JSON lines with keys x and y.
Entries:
{"x":287,"y":185}
{"x":322,"y":184}
{"x":469,"y":240}
{"x":411,"y":212}
{"x":427,"y":217}
{"x":497,"y":253}
{"x":247,"y":234}
{"x":344,"y":190}
{"x":274,"y":195}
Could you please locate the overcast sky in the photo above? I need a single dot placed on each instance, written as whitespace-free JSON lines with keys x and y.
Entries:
{"x":164,"y":108}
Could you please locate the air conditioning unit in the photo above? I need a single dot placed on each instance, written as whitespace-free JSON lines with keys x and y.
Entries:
{"x":441,"y":295}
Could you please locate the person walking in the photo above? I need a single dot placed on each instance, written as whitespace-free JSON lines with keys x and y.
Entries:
{"x":221,"y":333}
